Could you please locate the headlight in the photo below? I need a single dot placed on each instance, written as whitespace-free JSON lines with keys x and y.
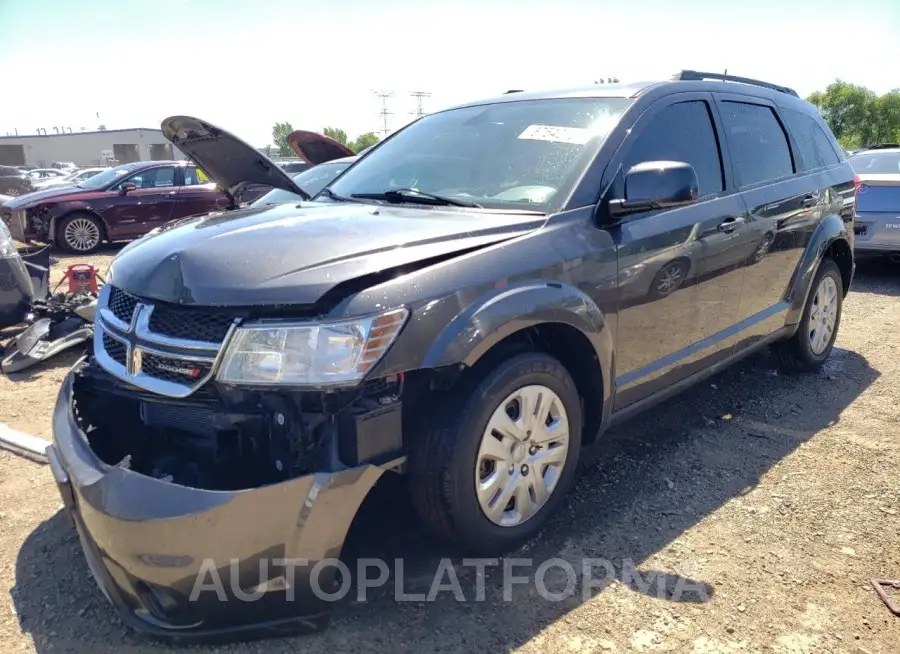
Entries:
{"x":631,"y":271}
{"x":309,"y":354}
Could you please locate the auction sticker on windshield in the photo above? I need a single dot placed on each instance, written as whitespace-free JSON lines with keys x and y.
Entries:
{"x":557,"y":134}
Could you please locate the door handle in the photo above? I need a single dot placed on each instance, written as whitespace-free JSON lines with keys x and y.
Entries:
{"x":809,"y":201}
{"x":731,"y":224}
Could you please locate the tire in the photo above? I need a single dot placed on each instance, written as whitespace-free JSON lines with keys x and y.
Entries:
{"x":447,"y":458}
{"x":761,"y":250}
{"x":800,"y":353}
{"x":12,"y":191}
{"x":661,"y":286}
{"x":79,"y":233}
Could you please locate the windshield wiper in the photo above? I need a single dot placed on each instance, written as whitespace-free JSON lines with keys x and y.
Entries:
{"x":328,"y":193}
{"x":399,"y":195}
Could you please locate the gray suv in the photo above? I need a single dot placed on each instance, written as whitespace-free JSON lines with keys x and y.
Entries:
{"x":468,"y":304}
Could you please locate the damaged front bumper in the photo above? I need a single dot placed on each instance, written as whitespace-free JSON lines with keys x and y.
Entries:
{"x":189,"y":563}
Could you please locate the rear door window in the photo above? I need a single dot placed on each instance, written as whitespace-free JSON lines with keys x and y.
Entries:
{"x":682,"y":132}
{"x":759,"y":147}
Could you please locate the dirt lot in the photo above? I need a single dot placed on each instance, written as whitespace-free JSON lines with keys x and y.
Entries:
{"x":781,"y":496}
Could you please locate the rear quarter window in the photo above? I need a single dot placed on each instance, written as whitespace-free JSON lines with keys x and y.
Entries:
{"x":814,"y":145}
{"x":759,"y":147}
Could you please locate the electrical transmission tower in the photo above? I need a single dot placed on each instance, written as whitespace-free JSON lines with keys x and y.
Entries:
{"x":419,"y":96}
{"x":384,"y":113}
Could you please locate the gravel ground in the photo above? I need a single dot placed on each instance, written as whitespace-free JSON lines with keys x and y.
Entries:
{"x":774,"y":498}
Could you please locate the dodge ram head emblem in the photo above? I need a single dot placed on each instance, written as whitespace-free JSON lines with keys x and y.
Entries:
{"x":137,"y":360}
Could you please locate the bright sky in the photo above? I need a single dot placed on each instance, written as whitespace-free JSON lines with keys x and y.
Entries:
{"x":246,"y":64}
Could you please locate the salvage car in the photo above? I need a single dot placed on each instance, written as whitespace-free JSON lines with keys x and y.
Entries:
{"x":877,"y":226}
{"x":24,"y":277}
{"x":14,"y":181}
{"x":120,"y":204}
{"x":446,"y":309}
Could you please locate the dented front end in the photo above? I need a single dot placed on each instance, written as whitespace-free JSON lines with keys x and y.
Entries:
{"x":204,"y":516}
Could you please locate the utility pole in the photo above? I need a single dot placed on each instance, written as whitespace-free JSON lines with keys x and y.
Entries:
{"x":419,"y":96}
{"x":384,"y":113}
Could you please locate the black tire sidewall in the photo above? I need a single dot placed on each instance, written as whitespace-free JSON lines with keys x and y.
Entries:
{"x":826,"y":268}
{"x":61,"y":232}
{"x":472,"y":527}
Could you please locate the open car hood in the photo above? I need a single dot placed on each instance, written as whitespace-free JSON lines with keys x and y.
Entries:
{"x":315,"y":148}
{"x":230,"y":162}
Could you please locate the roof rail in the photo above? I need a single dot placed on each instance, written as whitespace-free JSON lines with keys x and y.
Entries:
{"x":512,"y":91}
{"x":695,"y":76}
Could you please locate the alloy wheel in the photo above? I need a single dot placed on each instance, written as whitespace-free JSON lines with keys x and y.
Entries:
{"x":82,"y":234}
{"x":670,"y":279}
{"x":522,"y":454}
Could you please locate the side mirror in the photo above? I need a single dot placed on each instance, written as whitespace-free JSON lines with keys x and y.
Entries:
{"x":657,"y":185}
{"x":127,"y":188}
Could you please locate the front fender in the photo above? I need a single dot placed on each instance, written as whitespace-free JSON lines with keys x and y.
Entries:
{"x":505,"y":311}
{"x":829,"y":230}
{"x":60,"y":211}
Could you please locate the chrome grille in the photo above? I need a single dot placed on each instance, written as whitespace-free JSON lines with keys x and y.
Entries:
{"x":122,"y":304}
{"x":168,"y":355}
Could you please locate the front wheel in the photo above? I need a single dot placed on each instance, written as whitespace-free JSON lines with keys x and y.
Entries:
{"x":813,"y":341}
{"x":80,"y":233}
{"x":490,"y":472}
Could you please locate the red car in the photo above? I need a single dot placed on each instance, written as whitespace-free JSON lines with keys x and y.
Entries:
{"x":120,"y":204}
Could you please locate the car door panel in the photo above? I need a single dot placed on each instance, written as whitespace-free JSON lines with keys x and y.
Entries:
{"x":667,"y":332}
{"x":784,"y":204}
{"x":137,"y":211}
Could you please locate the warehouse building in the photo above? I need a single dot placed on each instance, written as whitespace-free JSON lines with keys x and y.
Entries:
{"x":87,"y":148}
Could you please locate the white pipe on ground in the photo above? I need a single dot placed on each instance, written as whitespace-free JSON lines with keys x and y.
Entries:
{"x":33,"y":447}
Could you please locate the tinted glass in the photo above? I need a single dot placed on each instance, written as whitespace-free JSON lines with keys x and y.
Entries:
{"x":108,"y":177}
{"x":505,"y":155}
{"x":815,"y":147}
{"x":759,"y":147}
{"x":876,"y":163}
{"x":878,"y":198}
{"x":312,"y":181}
{"x":194,"y":176}
{"x":682,"y":132}
{"x":161,"y":177}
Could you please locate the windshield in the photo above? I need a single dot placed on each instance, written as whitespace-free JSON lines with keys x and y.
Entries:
{"x":508,"y":155}
{"x":312,"y":181}
{"x":876,"y":163}
{"x":107,"y":177}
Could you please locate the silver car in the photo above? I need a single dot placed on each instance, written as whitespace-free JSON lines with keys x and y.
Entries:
{"x":878,"y":202}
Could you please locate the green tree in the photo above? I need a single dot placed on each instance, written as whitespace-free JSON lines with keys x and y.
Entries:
{"x":338,"y":135}
{"x":363,"y":141}
{"x":858,"y":116}
{"x":280,"y":133}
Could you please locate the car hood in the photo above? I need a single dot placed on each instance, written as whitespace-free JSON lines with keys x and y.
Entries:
{"x":290,"y":255}
{"x":230,"y":162}
{"x":315,"y":148}
{"x":56,"y":193}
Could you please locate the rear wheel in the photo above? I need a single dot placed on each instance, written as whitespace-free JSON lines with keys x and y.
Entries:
{"x":79,"y":233}
{"x":813,"y":341}
{"x":490,"y":472}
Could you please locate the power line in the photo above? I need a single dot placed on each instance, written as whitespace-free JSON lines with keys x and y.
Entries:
{"x":384,"y":113}
{"x":419,"y":96}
